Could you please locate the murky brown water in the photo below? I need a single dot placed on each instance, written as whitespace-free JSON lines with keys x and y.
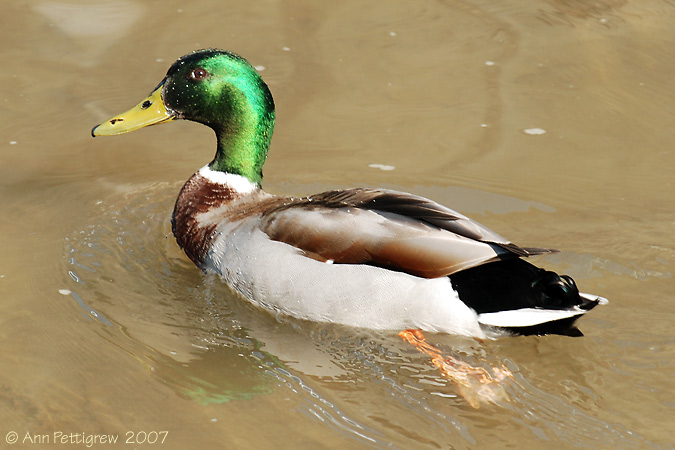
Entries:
{"x":106,"y":328}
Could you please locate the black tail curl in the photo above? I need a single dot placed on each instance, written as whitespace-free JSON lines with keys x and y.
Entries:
{"x":555,"y":291}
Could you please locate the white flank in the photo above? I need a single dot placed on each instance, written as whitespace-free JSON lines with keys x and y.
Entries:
{"x":237,"y":182}
{"x":278,"y":278}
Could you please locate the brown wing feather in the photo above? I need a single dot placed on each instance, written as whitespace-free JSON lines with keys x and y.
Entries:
{"x":389,"y":229}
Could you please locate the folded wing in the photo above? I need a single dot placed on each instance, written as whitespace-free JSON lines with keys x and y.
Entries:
{"x":389,"y":229}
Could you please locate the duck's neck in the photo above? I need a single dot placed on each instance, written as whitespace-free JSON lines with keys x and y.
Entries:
{"x":244,"y":139}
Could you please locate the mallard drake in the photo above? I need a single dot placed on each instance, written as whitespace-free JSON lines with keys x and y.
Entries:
{"x":371,"y":258}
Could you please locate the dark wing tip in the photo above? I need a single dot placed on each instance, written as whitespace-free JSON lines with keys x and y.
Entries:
{"x":526,"y":251}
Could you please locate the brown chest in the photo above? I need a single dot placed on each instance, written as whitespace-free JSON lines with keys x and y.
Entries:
{"x":197,"y":197}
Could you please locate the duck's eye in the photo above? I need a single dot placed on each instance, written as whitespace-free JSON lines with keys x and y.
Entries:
{"x":198,"y":74}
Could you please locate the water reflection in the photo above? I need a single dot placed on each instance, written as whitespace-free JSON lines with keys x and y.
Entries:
{"x":583,"y":9}
{"x":85,"y":30}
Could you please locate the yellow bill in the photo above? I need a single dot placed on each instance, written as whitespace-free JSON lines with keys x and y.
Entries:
{"x":150,"y":111}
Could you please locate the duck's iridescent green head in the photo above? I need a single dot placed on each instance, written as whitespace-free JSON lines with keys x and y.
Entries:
{"x":218,"y":89}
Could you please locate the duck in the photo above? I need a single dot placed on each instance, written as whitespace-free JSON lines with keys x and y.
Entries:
{"x":362,"y":257}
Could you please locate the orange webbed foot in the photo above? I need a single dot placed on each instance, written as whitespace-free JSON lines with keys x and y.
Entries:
{"x":476,"y":384}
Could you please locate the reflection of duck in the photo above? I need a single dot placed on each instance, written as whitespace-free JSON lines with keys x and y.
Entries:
{"x":363,"y":257}
{"x":217,"y":374}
